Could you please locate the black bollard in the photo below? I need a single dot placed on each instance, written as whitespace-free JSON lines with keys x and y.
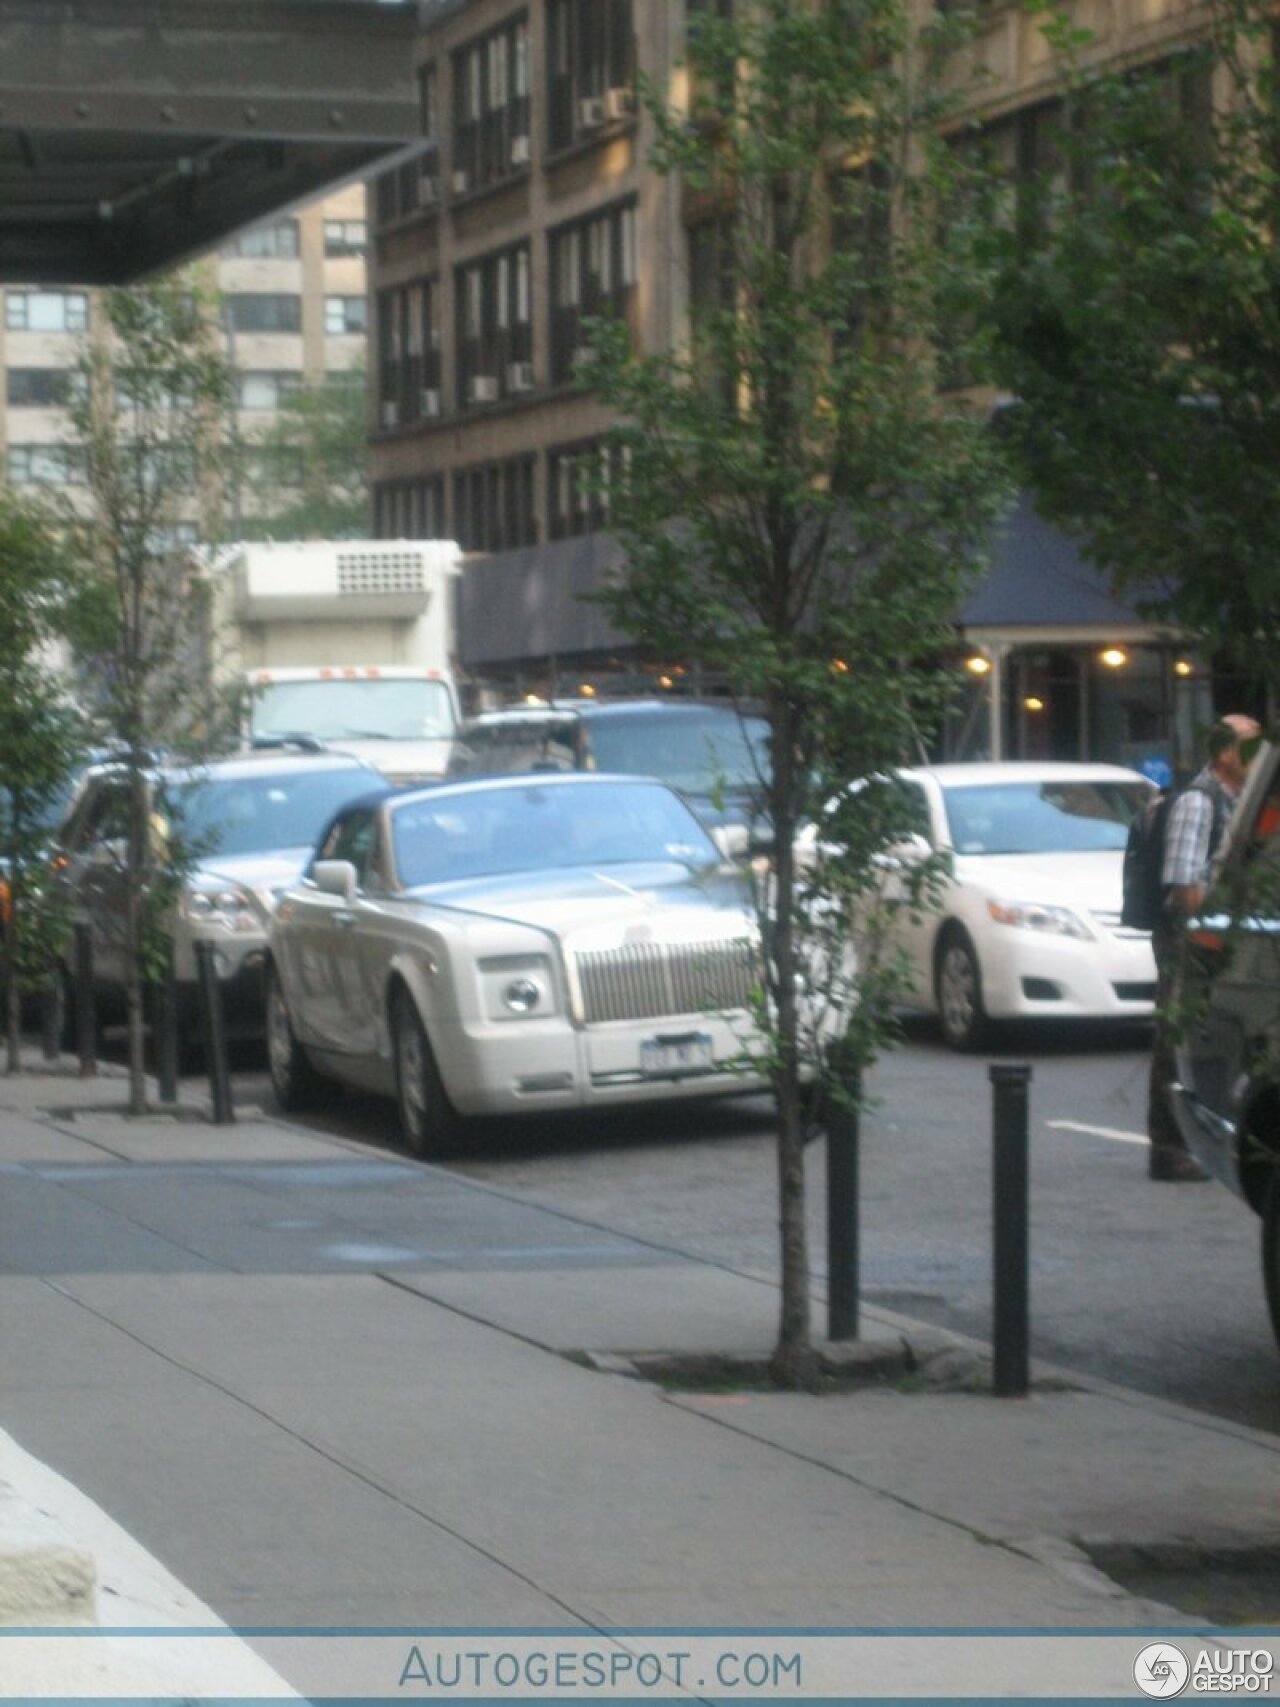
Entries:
{"x":85,"y":1005}
{"x":165,"y":1023}
{"x":1009,"y":1177}
{"x":842,"y":1221}
{"x":215,"y":1037}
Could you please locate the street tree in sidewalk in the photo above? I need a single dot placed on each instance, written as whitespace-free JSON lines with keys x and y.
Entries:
{"x":150,"y":415}
{"x":41,"y":738}
{"x":800,"y":510}
{"x":306,"y":475}
{"x":1139,"y":329}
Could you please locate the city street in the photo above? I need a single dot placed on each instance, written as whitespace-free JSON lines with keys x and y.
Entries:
{"x":1152,"y":1286}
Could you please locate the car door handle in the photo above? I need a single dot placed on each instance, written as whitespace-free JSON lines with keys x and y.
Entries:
{"x":344,"y":919}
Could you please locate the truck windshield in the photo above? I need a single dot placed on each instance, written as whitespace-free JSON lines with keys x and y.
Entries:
{"x":382,"y":708}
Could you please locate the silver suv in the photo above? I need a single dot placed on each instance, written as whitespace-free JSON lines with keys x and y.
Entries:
{"x":252,"y":822}
{"x":1227,"y":1093}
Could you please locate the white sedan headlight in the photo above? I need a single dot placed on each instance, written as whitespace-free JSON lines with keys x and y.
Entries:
{"x":518,"y":986}
{"x":227,"y":909}
{"x":1036,"y":916}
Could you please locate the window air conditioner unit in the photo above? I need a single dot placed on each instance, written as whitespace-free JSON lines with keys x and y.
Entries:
{"x":428,"y":190}
{"x":391,"y":414}
{"x":590,"y":113}
{"x":521,"y":153}
{"x":430,"y":403}
{"x":483,"y":388}
{"x":461,"y":181}
{"x":520,"y":376}
{"x":620,"y":103}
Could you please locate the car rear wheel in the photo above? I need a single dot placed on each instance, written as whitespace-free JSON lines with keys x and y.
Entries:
{"x":429,"y":1121}
{"x":294,"y":1080}
{"x":1271,"y":1248}
{"x":958,"y":985}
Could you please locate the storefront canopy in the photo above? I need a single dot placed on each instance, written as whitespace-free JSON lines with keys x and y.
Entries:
{"x":138,"y":133}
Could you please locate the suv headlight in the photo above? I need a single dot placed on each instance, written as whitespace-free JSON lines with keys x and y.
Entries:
{"x":1035,"y":916}
{"x":226,"y":909}
{"x":517,"y":986}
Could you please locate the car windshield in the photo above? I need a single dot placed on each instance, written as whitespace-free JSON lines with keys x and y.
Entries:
{"x":380,"y":708}
{"x":491,"y":832}
{"x":694,"y":750}
{"x":256,"y":814}
{"x":1043,"y":817}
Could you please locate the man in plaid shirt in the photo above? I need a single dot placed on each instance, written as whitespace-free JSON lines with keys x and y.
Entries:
{"x":1195,"y":825}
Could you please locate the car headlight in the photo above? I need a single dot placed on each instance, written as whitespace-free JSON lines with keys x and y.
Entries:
{"x":225,"y":909}
{"x":1036,"y":916}
{"x":518,"y":986}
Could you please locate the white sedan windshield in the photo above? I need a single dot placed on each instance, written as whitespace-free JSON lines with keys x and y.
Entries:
{"x":490,"y":832}
{"x":1042,"y":817}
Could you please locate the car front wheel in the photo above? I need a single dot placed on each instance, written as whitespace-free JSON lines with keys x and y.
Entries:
{"x":959,"y":991}
{"x":429,"y":1121}
{"x":294,"y":1080}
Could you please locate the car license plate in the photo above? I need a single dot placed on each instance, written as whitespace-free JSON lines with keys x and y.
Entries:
{"x":669,"y":1057}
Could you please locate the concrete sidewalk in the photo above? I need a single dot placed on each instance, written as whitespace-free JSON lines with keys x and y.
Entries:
{"x":439,"y":1417}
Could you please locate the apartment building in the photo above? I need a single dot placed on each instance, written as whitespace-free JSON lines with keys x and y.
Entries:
{"x":529,"y":211}
{"x":294,"y":313}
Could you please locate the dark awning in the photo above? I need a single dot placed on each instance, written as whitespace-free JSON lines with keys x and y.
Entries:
{"x":1040,"y":579}
{"x":138,"y":133}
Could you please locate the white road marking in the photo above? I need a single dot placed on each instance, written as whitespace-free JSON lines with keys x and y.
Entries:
{"x":1099,"y":1131}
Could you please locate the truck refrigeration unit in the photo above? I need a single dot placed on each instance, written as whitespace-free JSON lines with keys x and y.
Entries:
{"x":347,"y":642}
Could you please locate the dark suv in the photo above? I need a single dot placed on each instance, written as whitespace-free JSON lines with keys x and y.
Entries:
{"x":1228,"y":1089}
{"x":715,"y":758}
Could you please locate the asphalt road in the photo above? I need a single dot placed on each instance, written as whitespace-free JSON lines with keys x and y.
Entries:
{"x":1153,"y":1286}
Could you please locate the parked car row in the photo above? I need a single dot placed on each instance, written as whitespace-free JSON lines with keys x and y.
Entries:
{"x":563,"y":934}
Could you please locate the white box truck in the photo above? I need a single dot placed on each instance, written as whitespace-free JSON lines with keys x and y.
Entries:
{"x":345,"y":641}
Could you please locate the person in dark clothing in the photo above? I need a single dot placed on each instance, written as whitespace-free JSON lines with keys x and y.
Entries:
{"x":1196,"y":822}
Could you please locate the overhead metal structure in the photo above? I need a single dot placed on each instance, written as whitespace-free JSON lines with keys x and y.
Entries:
{"x":135,"y":134}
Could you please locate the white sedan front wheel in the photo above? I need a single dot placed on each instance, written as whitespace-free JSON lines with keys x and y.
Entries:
{"x":959,"y":992}
{"x":429,"y":1121}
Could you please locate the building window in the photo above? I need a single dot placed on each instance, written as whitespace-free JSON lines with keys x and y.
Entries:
{"x":429,"y":100}
{"x":249,"y":312}
{"x":46,"y":310}
{"x":46,"y":465}
{"x":345,"y":237}
{"x":264,"y":390}
{"x":593,"y":275}
{"x":407,"y":189}
{"x":408,"y":354}
{"x":591,"y":67}
{"x":493,"y":506}
{"x":491,"y":107}
{"x":579,"y":478}
{"x":345,"y":314}
{"x":409,"y":509}
{"x":495,"y":327}
{"x":277,"y":242}
{"x":39,"y":387}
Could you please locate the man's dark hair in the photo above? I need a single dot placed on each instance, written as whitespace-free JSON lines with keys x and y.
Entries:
{"x":1222,"y":737}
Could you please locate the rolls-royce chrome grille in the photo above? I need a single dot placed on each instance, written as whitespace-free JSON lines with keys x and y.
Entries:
{"x":650,"y":980}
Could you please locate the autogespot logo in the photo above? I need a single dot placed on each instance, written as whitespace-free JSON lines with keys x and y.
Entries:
{"x":1161,"y":1670}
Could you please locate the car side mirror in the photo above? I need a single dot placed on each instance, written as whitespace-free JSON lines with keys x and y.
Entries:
{"x":733,"y":841}
{"x":335,"y":877}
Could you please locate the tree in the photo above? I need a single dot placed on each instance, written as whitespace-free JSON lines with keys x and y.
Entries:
{"x":798,"y":509}
{"x":150,"y":414}
{"x":41,"y":737}
{"x":307,"y":473}
{"x":1139,"y":327}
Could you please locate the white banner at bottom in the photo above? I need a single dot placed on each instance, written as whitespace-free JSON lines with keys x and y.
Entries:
{"x":634,"y":1665}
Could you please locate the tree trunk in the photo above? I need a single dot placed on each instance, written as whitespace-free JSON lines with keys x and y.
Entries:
{"x":13,"y":1000}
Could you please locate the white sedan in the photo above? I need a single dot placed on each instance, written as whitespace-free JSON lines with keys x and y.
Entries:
{"x":1027,"y":921}
{"x":513,"y":946}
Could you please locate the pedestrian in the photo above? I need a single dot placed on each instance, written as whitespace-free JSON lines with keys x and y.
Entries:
{"x":1196,"y":822}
